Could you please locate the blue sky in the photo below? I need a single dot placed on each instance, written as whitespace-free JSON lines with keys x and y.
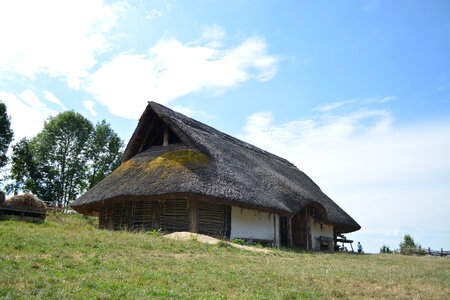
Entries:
{"x":355,"y":93}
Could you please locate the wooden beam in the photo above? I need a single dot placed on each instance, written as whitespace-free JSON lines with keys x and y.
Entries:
{"x":307,"y":230}
{"x":145,"y":140}
{"x":166,"y":136}
{"x":156,"y":219}
{"x":193,"y":216}
{"x":276,"y":236}
{"x":289,"y":231}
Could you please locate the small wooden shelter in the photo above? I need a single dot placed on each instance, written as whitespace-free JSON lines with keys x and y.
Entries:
{"x":178,"y":174}
{"x":22,"y":207}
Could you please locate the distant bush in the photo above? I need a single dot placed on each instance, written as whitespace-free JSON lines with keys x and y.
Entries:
{"x":385,"y":249}
{"x":409,"y":247}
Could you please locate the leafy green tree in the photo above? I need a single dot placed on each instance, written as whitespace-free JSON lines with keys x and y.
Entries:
{"x":6,"y":134}
{"x":23,"y":172}
{"x":409,"y":247}
{"x":65,"y":158}
{"x":104,"y":152}
{"x":60,"y":149}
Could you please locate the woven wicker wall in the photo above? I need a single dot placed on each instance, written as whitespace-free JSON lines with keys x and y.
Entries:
{"x":212,"y":219}
{"x":168,"y":215}
{"x":174,"y":216}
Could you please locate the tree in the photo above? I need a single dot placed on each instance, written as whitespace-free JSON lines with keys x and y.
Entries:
{"x":60,"y":149}
{"x":65,"y":158}
{"x":104,"y":152}
{"x":6,"y":134}
{"x":409,"y":247}
{"x":385,"y":249}
{"x":23,"y":172}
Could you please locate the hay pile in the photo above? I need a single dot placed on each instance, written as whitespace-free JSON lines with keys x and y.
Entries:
{"x":28,"y":201}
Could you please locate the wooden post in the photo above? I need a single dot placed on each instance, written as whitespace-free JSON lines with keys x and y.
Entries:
{"x":289,"y":231}
{"x":166,"y":136}
{"x":276,"y":237}
{"x":193,"y":216}
{"x":307,"y":230}
{"x":156,"y":215}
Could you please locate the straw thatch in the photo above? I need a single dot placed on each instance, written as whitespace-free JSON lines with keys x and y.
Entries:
{"x":26,"y":201}
{"x":25,"y":207}
{"x":201,"y":162}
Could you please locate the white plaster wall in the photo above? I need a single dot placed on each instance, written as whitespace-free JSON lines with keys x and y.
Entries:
{"x":251,"y":224}
{"x":316,"y":231}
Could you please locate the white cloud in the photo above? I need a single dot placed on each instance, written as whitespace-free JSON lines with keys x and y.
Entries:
{"x":350,"y":104}
{"x":30,"y":98}
{"x":89,"y":105}
{"x":154,"y":13}
{"x":371,"y":5}
{"x":53,"y":99}
{"x":334,"y":105}
{"x":27,"y":113}
{"x":387,"y":177}
{"x":213,"y":36}
{"x":193,"y":112}
{"x":172,"y":69}
{"x":387,"y":99}
{"x":58,"y":38}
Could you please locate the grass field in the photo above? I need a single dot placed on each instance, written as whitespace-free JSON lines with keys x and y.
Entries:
{"x":68,"y":257}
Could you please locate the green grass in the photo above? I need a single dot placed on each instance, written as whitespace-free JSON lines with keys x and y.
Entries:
{"x":68,"y":257}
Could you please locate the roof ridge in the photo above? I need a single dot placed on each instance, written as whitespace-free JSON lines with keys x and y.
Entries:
{"x":161,"y":109}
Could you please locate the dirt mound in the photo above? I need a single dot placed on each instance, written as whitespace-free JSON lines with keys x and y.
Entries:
{"x":186,"y":236}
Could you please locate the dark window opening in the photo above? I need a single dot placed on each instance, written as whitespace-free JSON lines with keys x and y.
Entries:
{"x":173,"y":138}
{"x":154,"y":134}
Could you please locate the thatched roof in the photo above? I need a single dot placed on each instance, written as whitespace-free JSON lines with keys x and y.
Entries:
{"x":206,"y":162}
{"x":27,"y":202}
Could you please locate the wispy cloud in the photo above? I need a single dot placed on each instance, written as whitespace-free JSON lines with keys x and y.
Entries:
{"x":27,"y":113}
{"x":172,"y":69}
{"x":366,"y":163}
{"x":30,"y":98}
{"x":53,"y":99}
{"x":154,"y":13}
{"x":352,"y":103}
{"x":387,"y":99}
{"x":371,"y":5}
{"x":89,"y":105}
{"x":212,"y":36}
{"x":56,"y":38}
{"x":334,"y":105}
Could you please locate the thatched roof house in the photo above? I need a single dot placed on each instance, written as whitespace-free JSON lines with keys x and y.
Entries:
{"x":22,"y":207}
{"x":180,"y":174}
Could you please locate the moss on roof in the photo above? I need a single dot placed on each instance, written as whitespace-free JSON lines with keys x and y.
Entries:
{"x":181,"y":160}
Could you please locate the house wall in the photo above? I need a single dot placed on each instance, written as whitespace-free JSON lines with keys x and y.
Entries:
{"x":316,"y":231}
{"x":252,"y":224}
